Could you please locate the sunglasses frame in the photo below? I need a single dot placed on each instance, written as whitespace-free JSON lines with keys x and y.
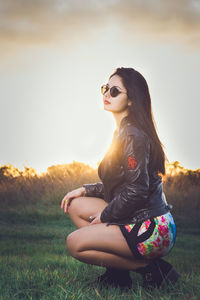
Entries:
{"x":113,"y":88}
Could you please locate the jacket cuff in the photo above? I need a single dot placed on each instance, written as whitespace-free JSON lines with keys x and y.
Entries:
{"x":94,"y":190}
{"x":102,"y":220}
{"x":87,"y":190}
{"x":103,"y":217}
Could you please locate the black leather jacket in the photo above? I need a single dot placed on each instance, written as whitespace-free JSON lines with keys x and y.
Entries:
{"x":130,"y":185}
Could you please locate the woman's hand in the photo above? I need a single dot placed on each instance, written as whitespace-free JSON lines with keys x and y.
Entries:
{"x":70,"y":196}
{"x":96,"y":219}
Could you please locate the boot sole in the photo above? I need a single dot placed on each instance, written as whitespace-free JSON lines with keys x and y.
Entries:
{"x":170,"y":278}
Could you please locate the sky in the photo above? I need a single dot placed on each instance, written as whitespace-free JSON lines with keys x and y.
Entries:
{"x":55,"y":55}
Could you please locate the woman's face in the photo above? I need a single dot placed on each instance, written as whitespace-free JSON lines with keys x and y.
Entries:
{"x":121,"y":101}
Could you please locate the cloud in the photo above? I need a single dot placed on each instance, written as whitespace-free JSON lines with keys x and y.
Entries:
{"x":29,"y":22}
{"x":170,"y":19}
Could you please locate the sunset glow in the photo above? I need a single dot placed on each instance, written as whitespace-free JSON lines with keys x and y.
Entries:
{"x":50,"y":77}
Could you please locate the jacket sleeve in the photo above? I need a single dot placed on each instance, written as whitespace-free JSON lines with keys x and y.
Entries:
{"x":135,"y":159}
{"x":94,"y":190}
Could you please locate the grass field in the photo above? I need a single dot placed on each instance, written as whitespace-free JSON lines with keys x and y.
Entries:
{"x":34,"y":263}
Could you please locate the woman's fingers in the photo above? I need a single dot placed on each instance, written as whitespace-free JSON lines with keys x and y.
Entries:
{"x":67,"y":208}
{"x":66,"y":205}
{"x":96,"y":219}
{"x":68,"y":198}
{"x":63,"y":201}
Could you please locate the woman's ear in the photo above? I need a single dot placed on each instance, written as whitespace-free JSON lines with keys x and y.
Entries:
{"x":129,"y":102}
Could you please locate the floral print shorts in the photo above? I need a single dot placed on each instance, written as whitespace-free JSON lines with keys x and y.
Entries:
{"x":151,"y":238}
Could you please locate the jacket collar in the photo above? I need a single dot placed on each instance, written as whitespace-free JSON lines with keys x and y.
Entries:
{"x":125,"y":121}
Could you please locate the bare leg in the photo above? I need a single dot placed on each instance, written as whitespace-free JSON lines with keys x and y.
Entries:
{"x":82,"y":207}
{"x":104,"y":246}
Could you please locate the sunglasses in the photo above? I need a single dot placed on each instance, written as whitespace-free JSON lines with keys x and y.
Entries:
{"x":114,"y":92}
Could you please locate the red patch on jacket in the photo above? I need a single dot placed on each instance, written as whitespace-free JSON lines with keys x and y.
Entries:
{"x":132,"y":163}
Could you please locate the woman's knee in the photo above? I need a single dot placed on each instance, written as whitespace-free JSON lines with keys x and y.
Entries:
{"x":72,"y":244}
{"x":75,"y":205}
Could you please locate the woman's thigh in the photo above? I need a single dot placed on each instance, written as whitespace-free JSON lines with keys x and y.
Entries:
{"x":98,"y":237}
{"x":84,"y":207}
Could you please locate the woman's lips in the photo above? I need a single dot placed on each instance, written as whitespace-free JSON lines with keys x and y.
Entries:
{"x":106,"y":102}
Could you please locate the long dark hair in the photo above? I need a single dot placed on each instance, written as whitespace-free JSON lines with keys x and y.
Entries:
{"x":140,"y":112}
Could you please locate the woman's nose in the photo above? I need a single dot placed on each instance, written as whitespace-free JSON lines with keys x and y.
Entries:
{"x":107,"y":94}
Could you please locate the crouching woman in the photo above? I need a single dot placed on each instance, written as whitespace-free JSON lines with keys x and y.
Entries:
{"x":124,"y":222}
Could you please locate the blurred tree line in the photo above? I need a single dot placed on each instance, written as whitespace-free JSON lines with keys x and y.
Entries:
{"x":181,"y":186}
{"x":23,"y":187}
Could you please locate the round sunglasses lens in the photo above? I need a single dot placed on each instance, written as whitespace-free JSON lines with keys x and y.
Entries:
{"x":114,"y":91}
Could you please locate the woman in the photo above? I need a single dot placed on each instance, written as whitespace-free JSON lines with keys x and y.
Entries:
{"x":124,"y":222}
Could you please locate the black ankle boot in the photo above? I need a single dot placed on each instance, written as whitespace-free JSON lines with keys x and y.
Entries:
{"x":158,"y":273}
{"x":116,"y":277}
